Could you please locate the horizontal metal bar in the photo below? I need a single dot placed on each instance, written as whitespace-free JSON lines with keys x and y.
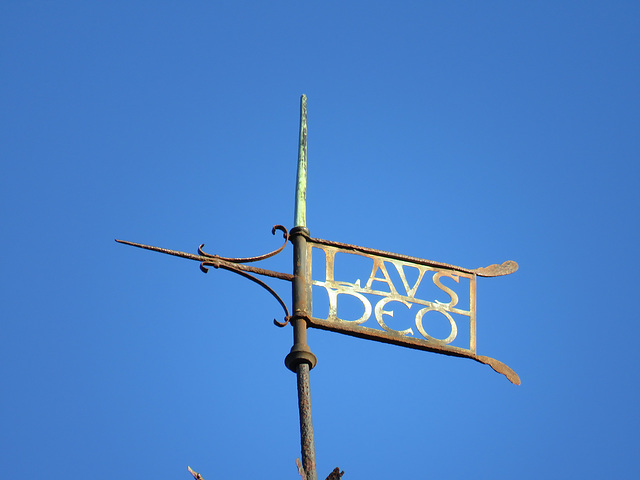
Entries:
{"x":358,"y":331}
{"x":491,"y":271}
{"x":213,"y":261}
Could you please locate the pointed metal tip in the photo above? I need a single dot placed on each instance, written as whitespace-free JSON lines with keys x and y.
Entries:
{"x":195,"y":474}
{"x":124,"y":242}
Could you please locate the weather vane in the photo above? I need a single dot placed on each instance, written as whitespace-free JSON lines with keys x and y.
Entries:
{"x":417,"y":284}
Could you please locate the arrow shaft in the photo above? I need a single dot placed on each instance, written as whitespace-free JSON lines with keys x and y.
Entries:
{"x":213,"y":261}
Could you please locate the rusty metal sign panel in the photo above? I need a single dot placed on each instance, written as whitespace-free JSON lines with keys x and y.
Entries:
{"x":392,"y":283}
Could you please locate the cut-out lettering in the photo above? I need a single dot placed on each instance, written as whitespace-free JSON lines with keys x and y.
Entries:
{"x":380,"y":312}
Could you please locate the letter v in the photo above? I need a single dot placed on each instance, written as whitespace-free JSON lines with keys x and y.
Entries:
{"x":410,"y":292}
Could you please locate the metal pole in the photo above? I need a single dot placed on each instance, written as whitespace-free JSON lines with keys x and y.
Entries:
{"x":300,"y":216}
{"x":301,"y":360}
{"x":307,"y":444}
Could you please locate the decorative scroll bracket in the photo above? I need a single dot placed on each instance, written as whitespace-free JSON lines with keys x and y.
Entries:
{"x":235,"y":265}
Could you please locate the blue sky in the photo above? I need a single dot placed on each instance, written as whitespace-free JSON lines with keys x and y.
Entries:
{"x":465,"y":132}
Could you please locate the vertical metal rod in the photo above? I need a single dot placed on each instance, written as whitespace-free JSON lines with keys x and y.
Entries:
{"x":300,"y":219}
{"x":307,"y":442}
{"x":301,"y":360}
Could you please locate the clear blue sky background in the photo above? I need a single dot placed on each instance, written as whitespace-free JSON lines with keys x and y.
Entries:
{"x":465,"y":132}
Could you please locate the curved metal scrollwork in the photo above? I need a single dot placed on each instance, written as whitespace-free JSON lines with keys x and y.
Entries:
{"x":230,"y":268}
{"x":230,"y":264}
{"x":285,"y":235}
{"x":236,"y":265}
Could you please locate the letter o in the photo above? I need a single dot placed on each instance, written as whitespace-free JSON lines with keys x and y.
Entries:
{"x":454,"y":327}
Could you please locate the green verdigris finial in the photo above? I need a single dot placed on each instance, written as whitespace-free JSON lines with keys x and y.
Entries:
{"x":300,"y":219}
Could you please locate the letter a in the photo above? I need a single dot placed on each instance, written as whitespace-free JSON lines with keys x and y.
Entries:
{"x":378,"y":264}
